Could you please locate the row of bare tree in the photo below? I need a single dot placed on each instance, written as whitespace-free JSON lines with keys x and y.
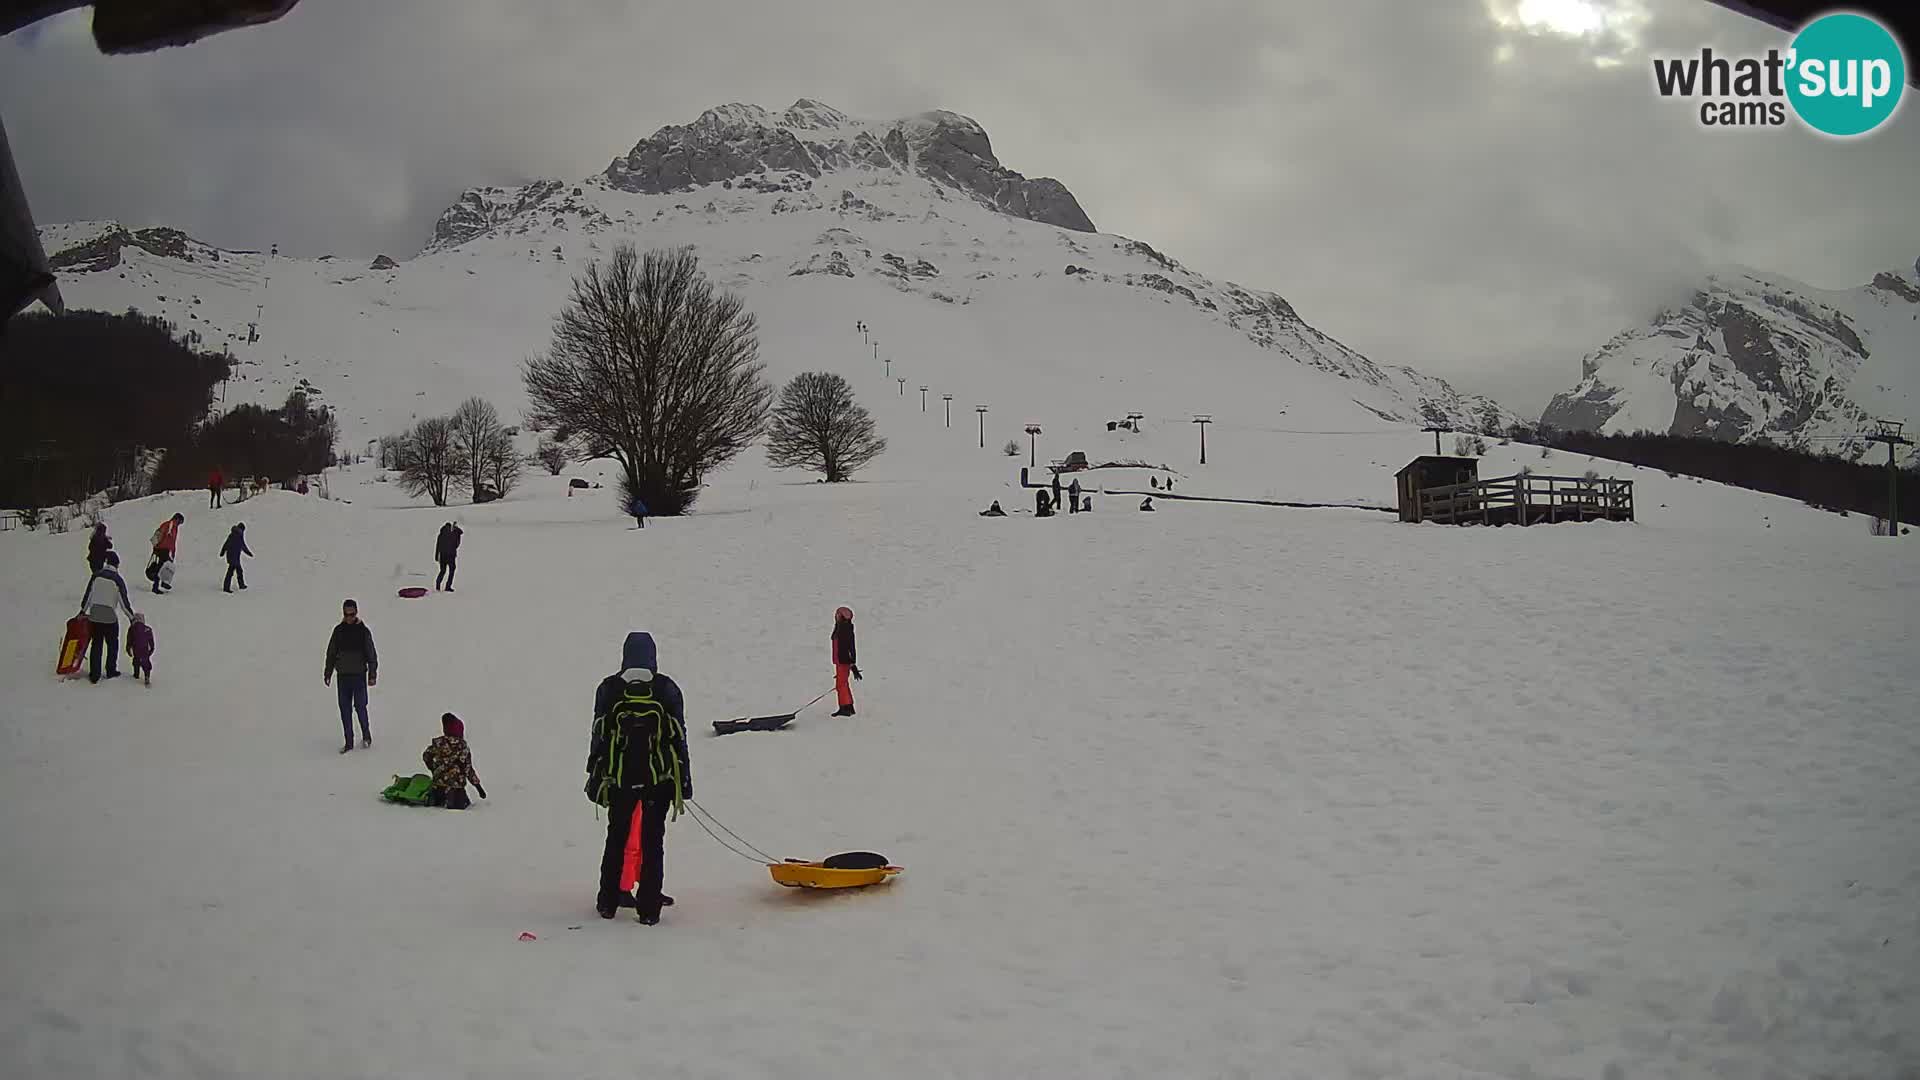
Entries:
{"x":470,"y":450}
{"x":653,"y":367}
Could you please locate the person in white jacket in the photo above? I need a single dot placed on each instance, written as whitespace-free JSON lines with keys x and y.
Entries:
{"x":105,"y":598}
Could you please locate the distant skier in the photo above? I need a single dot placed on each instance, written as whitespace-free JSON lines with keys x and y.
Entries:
{"x":1042,"y":505}
{"x":351,"y":654}
{"x":166,"y":539}
{"x":105,"y":598}
{"x":1073,"y":496}
{"x":639,"y":511}
{"x":140,"y":648}
{"x":98,"y":544}
{"x":215,"y":485}
{"x":845,"y":660}
{"x":451,"y":763}
{"x":994,"y":510}
{"x":638,"y":768}
{"x":235,"y":547}
{"x":446,"y":551}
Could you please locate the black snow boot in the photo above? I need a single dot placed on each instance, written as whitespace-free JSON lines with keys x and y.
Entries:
{"x":347,"y":748}
{"x":648,"y":919}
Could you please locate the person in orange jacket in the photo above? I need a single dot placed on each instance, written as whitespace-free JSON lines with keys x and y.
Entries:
{"x":165,"y":539}
{"x":844,"y":660}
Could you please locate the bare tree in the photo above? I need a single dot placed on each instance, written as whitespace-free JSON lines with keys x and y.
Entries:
{"x":553,"y":455}
{"x":476,"y":426}
{"x":817,"y":425}
{"x":431,"y":463}
{"x":501,"y":463}
{"x":392,"y":451}
{"x":653,"y":367}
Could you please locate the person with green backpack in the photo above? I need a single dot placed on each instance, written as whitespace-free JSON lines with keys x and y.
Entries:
{"x":637,"y":768}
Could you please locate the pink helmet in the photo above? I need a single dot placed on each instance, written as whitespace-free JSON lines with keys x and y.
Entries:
{"x":843,"y":613}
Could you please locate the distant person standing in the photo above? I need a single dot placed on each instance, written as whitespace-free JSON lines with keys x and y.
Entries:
{"x":1056,"y":491}
{"x":216,"y":484}
{"x":1073,"y":496}
{"x":98,"y":545}
{"x":351,"y":655}
{"x":639,"y":511}
{"x":235,"y":547}
{"x":446,"y":551}
{"x":845,"y":660}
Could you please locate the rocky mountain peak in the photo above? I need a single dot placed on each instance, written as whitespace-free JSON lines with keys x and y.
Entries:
{"x":736,"y":141}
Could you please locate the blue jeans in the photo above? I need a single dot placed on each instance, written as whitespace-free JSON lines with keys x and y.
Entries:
{"x":353,"y":697}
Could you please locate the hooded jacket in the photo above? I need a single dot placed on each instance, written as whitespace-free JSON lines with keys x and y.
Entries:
{"x":167,"y":536}
{"x":638,"y":660}
{"x":106,"y":596}
{"x":236,"y":545}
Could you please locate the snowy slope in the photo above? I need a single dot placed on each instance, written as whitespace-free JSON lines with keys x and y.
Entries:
{"x":1756,"y":356}
{"x":924,"y":243}
{"x":1216,"y":791}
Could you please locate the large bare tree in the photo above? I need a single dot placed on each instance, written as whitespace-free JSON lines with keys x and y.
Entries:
{"x":817,"y":425}
{"x":431,"y":463}
{"x":652,"y":366}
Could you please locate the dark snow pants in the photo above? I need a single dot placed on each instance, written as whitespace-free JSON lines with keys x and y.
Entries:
{"x":446,"y":573}
{"x":653,"y":835}
{"x":233,"y":571}
{"x":102,"y":636}
{"x":353,"y":698}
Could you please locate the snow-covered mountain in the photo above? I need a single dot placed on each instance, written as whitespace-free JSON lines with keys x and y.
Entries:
{"x":971,"y":274}
{"x":1754,"y":356}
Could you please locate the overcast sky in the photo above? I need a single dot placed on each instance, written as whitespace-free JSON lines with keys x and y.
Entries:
{"x":1482,"y":189}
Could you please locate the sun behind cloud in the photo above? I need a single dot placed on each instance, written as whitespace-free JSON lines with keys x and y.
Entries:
{"x":1611,"y":27}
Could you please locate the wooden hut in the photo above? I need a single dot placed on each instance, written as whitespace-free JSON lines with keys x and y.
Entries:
{"x":1431,"y":470}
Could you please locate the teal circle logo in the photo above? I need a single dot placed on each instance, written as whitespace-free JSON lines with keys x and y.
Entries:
{"x":1846,"y":74}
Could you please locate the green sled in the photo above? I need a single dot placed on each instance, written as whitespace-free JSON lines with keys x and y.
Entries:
{"x":411,"y":790}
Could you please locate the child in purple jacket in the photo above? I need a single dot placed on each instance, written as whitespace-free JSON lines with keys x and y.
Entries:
{"x":140,"y":648}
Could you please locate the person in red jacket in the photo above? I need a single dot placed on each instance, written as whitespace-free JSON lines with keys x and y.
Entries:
{"x":166,"y":539}
{"x":844,"y":660}
{"x":215,"y":485}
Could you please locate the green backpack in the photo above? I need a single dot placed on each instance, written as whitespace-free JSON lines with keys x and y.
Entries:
{"x":637,"y":720}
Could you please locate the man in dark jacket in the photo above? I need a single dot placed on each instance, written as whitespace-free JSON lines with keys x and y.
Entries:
{"x":446,"y":551}
{"x":235,"y":547}
{"x":1056,"y":491}
{"x":638,"y":768}
{"x":351,"y":655}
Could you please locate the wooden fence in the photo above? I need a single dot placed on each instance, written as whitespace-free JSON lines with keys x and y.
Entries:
{"x":1528,"y":499}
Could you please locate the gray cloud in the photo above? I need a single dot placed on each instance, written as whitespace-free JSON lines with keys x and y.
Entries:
{"x":1429,"y":185}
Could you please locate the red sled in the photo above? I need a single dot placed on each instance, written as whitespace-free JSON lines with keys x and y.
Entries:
{"x":73,"y":648}
{"x":413,"y":592}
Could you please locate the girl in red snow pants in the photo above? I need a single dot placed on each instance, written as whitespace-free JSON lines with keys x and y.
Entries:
{"x":844,"y":660}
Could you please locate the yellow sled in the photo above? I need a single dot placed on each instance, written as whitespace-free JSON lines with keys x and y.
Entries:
{"x":800,"y":874}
